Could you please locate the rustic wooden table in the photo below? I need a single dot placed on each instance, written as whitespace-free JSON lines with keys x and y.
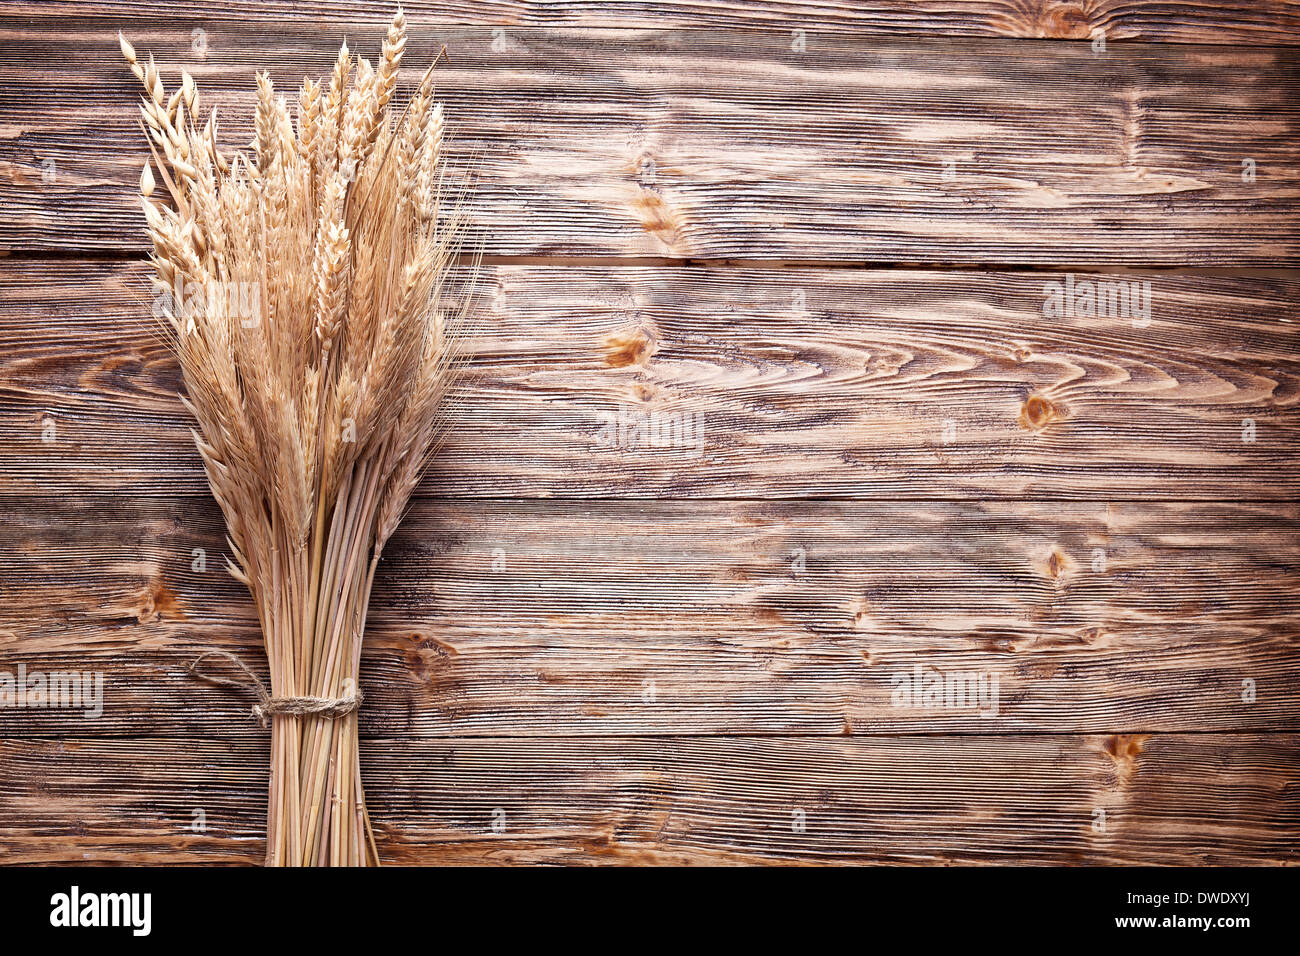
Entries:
{"x":820,"y":346}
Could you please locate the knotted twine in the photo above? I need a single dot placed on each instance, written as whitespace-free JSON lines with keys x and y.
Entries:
{"x":268,"y":706}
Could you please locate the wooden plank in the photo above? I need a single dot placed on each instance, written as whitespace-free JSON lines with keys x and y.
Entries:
{"x":729,"y":145}
{"x":1262,"y":21}
{"x":660,"y":618}
{"x":653,"y":382}
{"x":1168,"y":799}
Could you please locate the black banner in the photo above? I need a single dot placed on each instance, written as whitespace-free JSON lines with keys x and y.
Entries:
{"x":671,"y":906}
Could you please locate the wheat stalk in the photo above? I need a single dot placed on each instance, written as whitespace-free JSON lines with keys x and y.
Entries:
{"x":310,"y":310}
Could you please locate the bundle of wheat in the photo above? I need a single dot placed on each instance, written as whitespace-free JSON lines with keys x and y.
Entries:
{"x":308,"y":290}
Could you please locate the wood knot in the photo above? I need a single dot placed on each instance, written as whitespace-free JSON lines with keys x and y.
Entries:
{"x":862,"y":619}
{"x":1037,"y":413}
{"x":1057,"y":567}
{"x":159,"y":602}
{"x":656,"y":216}
{"x":1054,"y":564}
{"x":1124,"y":750}
{"x":1064,"y":21}
{"x":629,"y":347}
{"x":427,"y":642}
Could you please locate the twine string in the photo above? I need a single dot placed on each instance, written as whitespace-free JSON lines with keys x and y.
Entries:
{"x":268,"y":706}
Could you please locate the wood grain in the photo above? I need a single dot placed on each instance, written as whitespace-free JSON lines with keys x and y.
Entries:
{"x":712,"y":144}
{"x":680,"y":643}
{"x":1263,"y":21}
{"x":1168,"y":799}
{"x":731,"y":383}
{"x":661,"y":618}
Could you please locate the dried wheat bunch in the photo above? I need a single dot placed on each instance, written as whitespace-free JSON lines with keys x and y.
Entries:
{"x":307,"y":290}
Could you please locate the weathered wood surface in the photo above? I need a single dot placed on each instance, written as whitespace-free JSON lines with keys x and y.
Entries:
{"x":780,"y":383}
{"x":1194,"y":799}
{"x":1262,"y":21}
{"x":716,"y":144}
{"x":660,"y":618}
{"x":685,"y":652}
